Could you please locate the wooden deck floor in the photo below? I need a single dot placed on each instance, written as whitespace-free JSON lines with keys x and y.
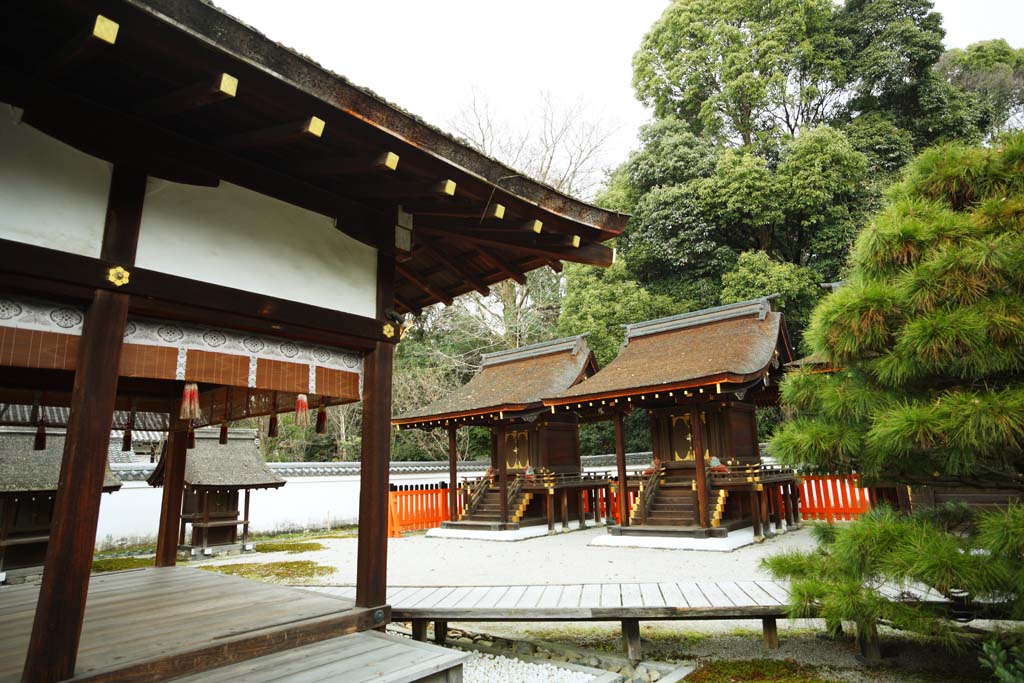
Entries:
{"x":149,"y":624}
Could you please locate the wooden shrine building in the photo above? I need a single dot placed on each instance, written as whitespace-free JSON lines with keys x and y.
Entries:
{"x":217,"y":470}
{"x":199,"y":225}
{"x":29,"y":471}
{"x":535,"y":455}
{"x":699,"y":376}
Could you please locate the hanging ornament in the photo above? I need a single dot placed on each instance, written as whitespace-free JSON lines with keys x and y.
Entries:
{"x":190,"y":402}
{"x":302,"y":410}
{"x":223,"y":433}
{"x":272,"y":432}
{"x":191,"y":438}
{"x":321,"y":419}
{"x":40,"y":441}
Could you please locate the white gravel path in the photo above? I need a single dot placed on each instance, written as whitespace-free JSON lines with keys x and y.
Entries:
{"x":484,"y":668}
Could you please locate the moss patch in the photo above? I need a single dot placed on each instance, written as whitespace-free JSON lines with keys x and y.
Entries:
{"x":288,"y":547}
{"x":298,"y":571}
{"x":762,"y":670}
{"x":116,"y":564}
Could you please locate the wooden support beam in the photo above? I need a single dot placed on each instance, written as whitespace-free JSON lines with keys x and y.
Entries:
{"x":591,"y":254}
{"x":421,"y":282}
{"x":100,"y":35}
{"x":453,"y":477}
{"x":555,"y":265}
{"x":493,"y":211}
{"x":384,"y":162}
{"x":631,"y":637}
{"x":60,"y":609}
{"x":311,"y":128}
{"x":221,"y":87}
{"x":408,"y":306}
{"x":419,"y":629}
{"x":475,"y":224}
{"x":498,"y":264}
{"x":499,"y":450}
{"x":372,"y":553}
{"x":412,"y":190}
{"x":440,"y":632}
{"x":620,"y":464}
{"x":170,"y":506}
{"x":436,"y":251}
{"x":700,"y":474}
{"x":770,"y":630}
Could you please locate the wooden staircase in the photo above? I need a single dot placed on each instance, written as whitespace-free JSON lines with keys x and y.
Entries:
{"x":488,"y":509}
{"x":674,"y":503}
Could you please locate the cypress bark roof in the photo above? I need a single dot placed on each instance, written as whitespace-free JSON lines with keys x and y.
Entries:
{"x":24,"y":470}
{"x":732,"y":343}
{"x":513,"y":380}
{"x":236,"y":464}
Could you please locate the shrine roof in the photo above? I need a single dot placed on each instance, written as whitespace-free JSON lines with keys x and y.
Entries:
{"x":23,"y":469}
{"x":236,"y":464}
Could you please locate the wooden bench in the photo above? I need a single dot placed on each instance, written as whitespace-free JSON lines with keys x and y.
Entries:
{"x":627,"y":603}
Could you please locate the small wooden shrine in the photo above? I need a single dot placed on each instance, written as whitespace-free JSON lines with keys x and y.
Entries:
{"x":699,"y":376}
{"x":29,"y":472}
{"x":198,"y":226}
{"x":535,"y":454}
{"x":222,"y":465}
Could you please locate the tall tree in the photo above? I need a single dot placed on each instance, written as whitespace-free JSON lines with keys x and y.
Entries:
{"x":994,"y":71}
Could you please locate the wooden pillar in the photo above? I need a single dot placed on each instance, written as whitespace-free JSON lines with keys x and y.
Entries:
{"x":453,"y":476}
{"x":777,"y":506}
{"x":565,"y":509}
{"x":762,"y":496}
{"x":419,"y":629}
{"x":60,"y":609}
{"x":620,"y":463}
{"x":499,"y":451}
{"x":580,"y":493}
{"x":770,"y":630}
{"x":168,"y":534}
{"x":596,"y":497}
{"x":794,"y":496}
{"x":631,"y":637}
{"x":375,"y":455}
{"x":755,"y":512}
{"x":787,"y":503}
{"x":440,"y":632}
{"x":549,"y":507}
{"x":699,"y":446}
{"x":245,"y":521}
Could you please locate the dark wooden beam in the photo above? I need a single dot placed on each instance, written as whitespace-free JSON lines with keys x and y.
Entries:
{"x":478,"y":224}
{"x":437,"y":252}
{"x":372,"y":554}
{"x":170,"y":506}
{"x":408,"y":306}
{"x":591,"y":254}
{"x":60,"y":609}
{"x":453,"y":477}
{"x":699,"y":436}
{"x":620,"y":465}
{"x":493,"y":210}
{"x":410,"y":190}
{"x":420,"y":282}
{"x":384,"y":162}
{"x":124,"y":215}
{"x":101,"y":34}
{"x":221,"y":87}
{"x":555,"y":265}
{"x":493,"y":261}
{"x":310,"y":128}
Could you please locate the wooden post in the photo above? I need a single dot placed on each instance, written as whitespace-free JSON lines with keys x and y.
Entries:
{"x":245,"y":520}
{"x":453,"y":480}
{"x":60,"y":609}
{"x":755,"y":513}
{"x":565,"y":509}
{"x":699,"y":446}
{"x":794,"y":496}
{"x":375,"y":457}
{"x":171,"y":527}
{"x":631,"y":637}
{"x":770,"y":630}
{"x":762,"y":496}
{"x":499,"y":445}
{"x":549,"y":506}
{"x":596,"y":497}
{"x":419,"y":629}
{"x":776,"y":506}
{"x":620,"y":463}
{"x":206,"y":519}
{"x":440,"y":632}
{"x":787,"y":503}
{"x":580,"y":493}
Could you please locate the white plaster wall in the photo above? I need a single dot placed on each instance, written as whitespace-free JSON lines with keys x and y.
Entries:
{"x":51,"y":195}
{"x":230,"y":236}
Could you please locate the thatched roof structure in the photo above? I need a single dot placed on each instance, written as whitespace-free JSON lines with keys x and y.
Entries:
{"x":24,"y":470}
{"x":236,"y":464}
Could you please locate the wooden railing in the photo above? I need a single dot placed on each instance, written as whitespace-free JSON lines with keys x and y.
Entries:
{"x":833,"y":497}
{"x":417,"y":507}
{"x":648,"y":490}
{"x":515,"y":487}
{"x":474,"y":492}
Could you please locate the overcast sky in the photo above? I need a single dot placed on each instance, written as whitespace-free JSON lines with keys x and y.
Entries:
{"x":428,"y":57}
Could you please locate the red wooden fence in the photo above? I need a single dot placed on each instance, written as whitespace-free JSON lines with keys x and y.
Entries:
{"x":615,"y":503}
{"x":833,"y":497}
{"x":417,"y":507}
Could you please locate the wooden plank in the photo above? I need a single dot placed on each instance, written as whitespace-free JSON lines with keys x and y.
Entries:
{"x":550,"y":596}
{"x":738,"y":597}
{"x":631,"y":595}
{"x":775,"y":589}
{"x":436,"y":598}
{"x":475,"y":595}
{"x":571,"y":596}
{"x":673,"y":596}
{"x":611,"y":595}
{"x":591,"y":595}
{"x":413,"y":598}
{"x":453,"y":598}
{"x":511,"y":597}
{"x":530,"y":597}
{"x":651,"y":595}
{"x":758,"y":595}
{"x":493,"y":596}
{"x":694,"y":595}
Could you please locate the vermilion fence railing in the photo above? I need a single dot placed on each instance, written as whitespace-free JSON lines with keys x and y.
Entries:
{"x":833,"y":497}
{"x":418,"y":506}
{"x":615,"y":503}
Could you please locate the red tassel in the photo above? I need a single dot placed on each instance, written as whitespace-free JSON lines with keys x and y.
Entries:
{"x":40,"y":441}
{"x":321,"y":420}
{"x":223,"y":432}
{"x":191,"y":438}
{"x":190,"y":402}
{"x":302,"y":410}
{"x":272,"y":432}
{"x":126,"y":441}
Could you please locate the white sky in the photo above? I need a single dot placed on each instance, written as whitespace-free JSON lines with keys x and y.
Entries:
{"x":428,"y":57}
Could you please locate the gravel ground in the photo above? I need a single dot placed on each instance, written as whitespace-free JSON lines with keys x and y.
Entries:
{"x":497,"y":669}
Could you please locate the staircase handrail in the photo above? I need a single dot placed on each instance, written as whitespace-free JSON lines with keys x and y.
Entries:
{"x":515,"y":487}
{"x":648,"y":491}
{"x":475,"y":492}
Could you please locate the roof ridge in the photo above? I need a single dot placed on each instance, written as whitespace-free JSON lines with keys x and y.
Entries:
{"x":760,"y":306}
{"x":576,"y":344}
